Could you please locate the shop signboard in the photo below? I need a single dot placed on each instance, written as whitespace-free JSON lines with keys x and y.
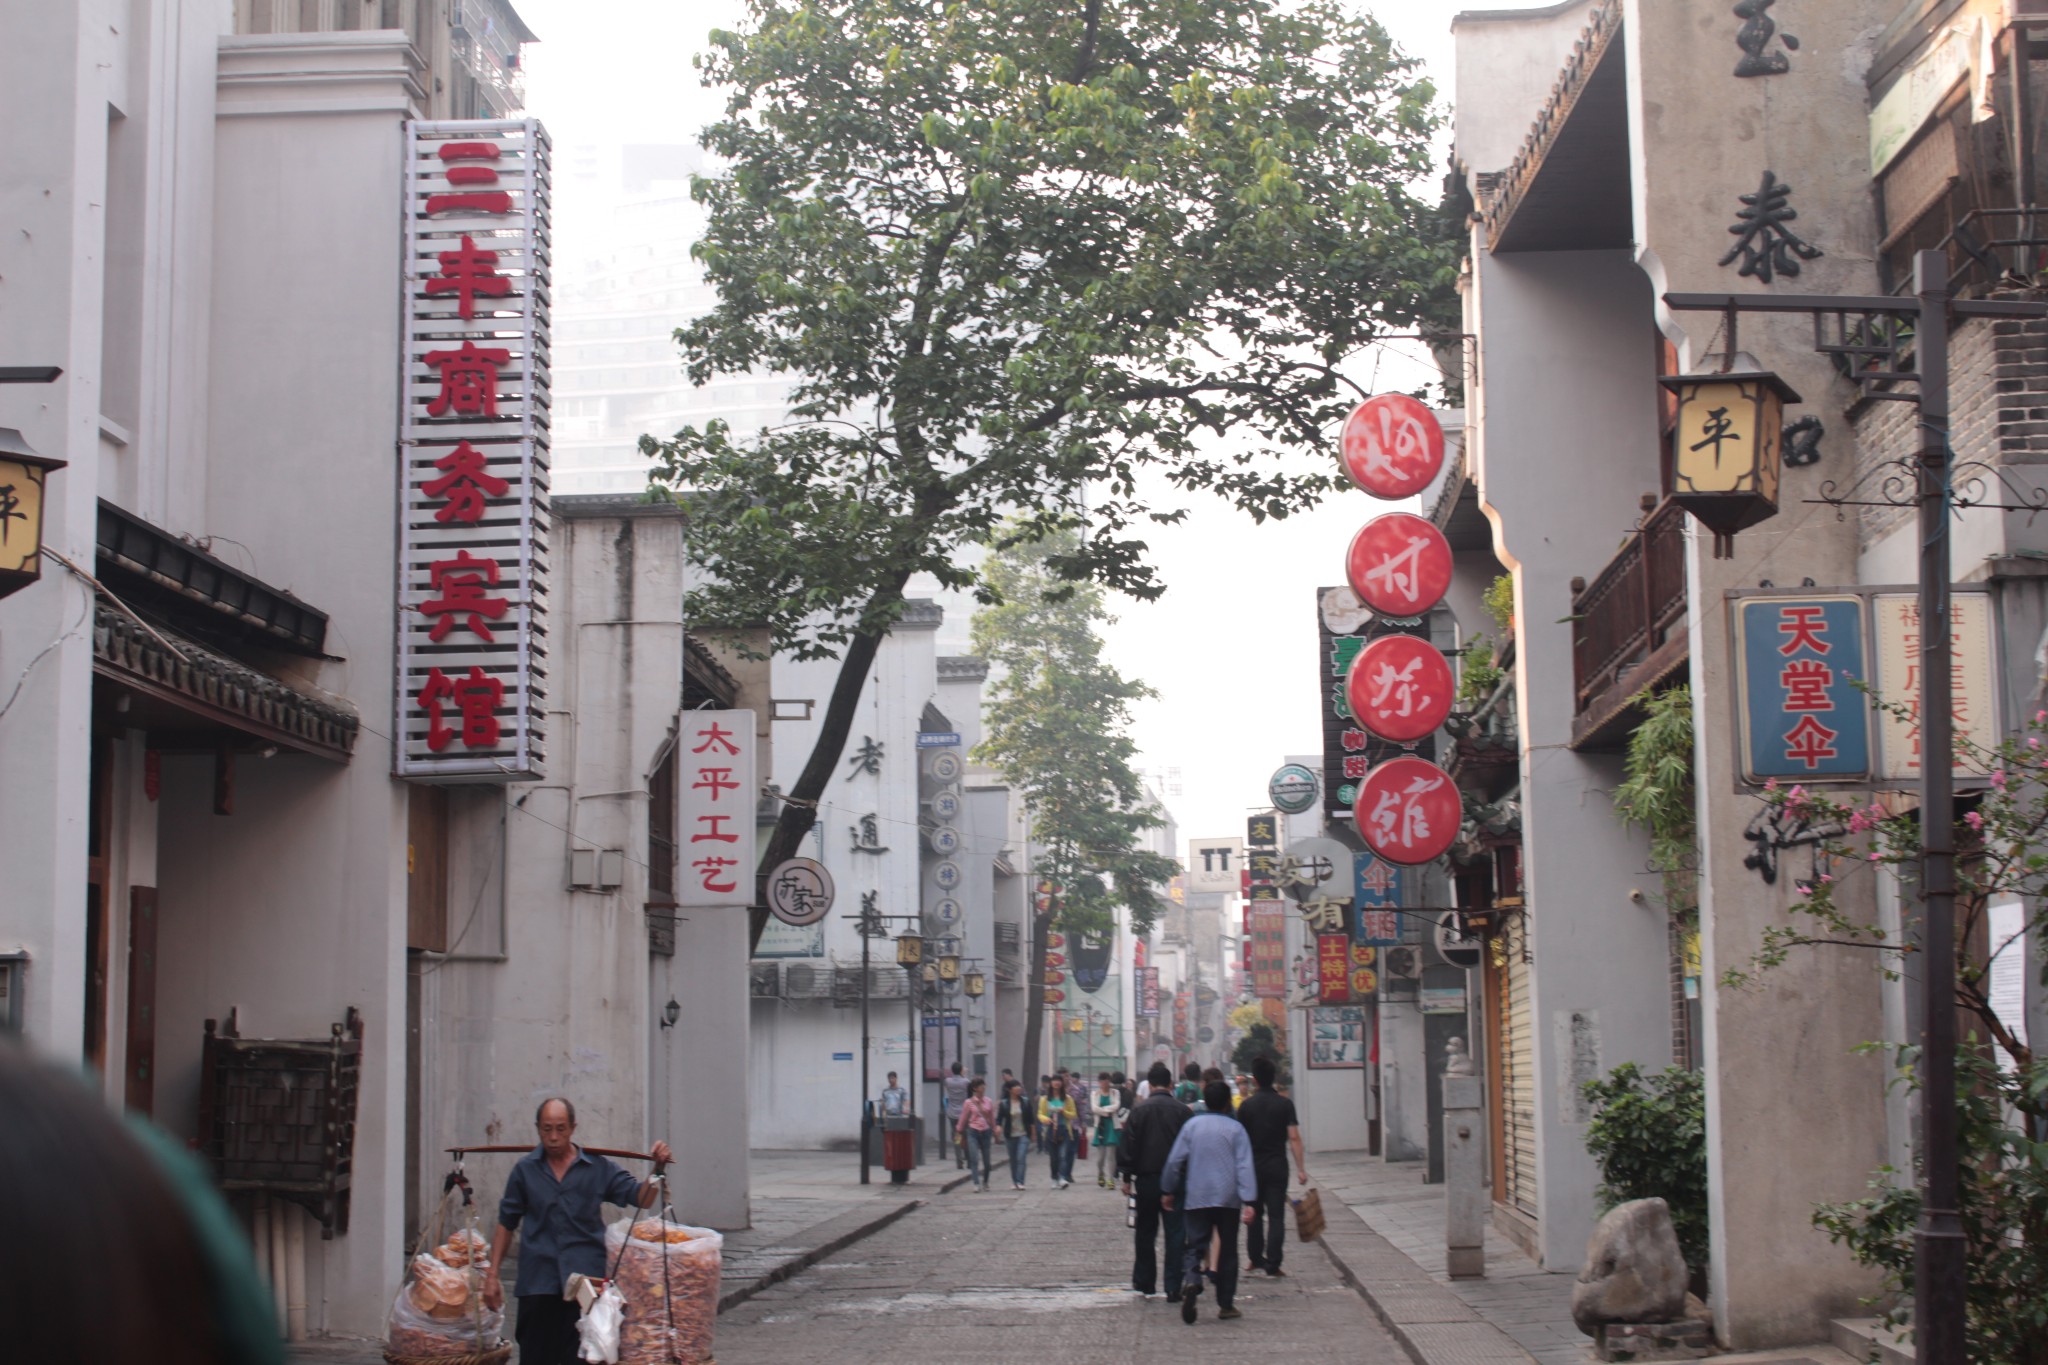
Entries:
{"x":1408,"y":811}
{"x":1973,"y":680}
{"x":716,"y":796}
{"x":1333,"y":968}
{"x":473,"y":551}
{"x":1336,"y":1038}
{"x":1343,"y":630}
{"x":1378,"y":901}
{"x":1799,"y":662}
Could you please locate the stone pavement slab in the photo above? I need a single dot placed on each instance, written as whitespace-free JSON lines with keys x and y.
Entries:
{"x":1395,"y":1252}
{"x":1042,"y":1275}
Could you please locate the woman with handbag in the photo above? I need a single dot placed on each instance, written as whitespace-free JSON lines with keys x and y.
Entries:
{"x":1058,"y":1120}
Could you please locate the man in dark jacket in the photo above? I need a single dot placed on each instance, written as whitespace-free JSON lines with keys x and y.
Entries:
{"x":1142,"y":1149}
{"x":1270,"y":1121}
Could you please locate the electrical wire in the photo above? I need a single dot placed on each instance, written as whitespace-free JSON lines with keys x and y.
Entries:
{"x":84,"y":610}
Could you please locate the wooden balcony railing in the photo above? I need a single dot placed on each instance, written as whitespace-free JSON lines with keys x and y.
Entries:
{"x":1629,"y":625}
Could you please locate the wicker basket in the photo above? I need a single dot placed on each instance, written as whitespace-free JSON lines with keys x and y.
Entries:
{"x":497,"y":1355}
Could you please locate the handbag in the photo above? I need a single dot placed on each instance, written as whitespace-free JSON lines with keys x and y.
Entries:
{"x":1308,"y":1216}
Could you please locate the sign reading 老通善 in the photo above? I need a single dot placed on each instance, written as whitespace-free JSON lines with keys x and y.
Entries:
{"x":473,"y":443}
{"x":715,"y":802}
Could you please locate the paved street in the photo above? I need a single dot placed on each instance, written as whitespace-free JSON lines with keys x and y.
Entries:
{"x":1046,"y":1274}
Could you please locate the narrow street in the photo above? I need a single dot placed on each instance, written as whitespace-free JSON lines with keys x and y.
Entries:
{"x":1043,"y":1274}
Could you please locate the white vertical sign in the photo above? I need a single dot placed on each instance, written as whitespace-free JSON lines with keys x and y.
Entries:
{"x":1897,"y":634}
{"x":1215,"y":864}
{"x":473,"y":452}
{"x":715,"y":801}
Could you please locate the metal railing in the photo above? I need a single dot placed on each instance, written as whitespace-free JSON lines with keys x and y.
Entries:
{"x":1633,"y":608}
{"x":1980,"y":260}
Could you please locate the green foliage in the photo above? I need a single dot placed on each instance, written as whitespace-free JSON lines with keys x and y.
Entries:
{"x":1260,"y":1041}
{"x":1657,"y":793}
{"x":1478,"y":674}
{"x":1500,"y":603}
{"x":1018,"y":250}
{"x":1649,"y":1135}
{"x":2004,"y":1207}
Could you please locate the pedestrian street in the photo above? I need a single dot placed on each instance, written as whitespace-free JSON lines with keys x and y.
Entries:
{"x":1043,"y":1275}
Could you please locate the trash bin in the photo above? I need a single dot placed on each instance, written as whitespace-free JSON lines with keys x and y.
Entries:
{"x":871,"y":1131}
{"x":899,"y":1152}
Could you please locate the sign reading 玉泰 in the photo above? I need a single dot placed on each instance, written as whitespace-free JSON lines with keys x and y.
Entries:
{"x":1798,"y":662}
{"x":473,"y":453}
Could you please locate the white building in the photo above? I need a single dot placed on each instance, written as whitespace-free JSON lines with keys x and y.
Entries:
{"x":206,"y":216}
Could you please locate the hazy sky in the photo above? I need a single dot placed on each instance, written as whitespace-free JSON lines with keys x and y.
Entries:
{"x":1230,"y":648}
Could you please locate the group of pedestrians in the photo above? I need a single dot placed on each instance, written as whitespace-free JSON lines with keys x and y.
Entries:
{"x":1061,"y":1119}
{"x":1197,"y":1168}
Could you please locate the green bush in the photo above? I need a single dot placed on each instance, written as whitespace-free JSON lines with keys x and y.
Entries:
{"x":1500,"y":603}
{"x":1259,"y":1041}
{"x":1478,"y":674}
{"x":1649,"y":1134}
{"x":2004,"y":1209}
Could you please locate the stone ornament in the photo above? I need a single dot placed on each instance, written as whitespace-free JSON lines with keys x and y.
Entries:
{"x":1634,"y":1269}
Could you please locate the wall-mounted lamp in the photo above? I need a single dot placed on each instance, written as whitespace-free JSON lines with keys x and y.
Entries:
{"x":671,"y":1012}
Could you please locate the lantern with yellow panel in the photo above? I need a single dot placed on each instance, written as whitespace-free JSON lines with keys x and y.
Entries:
{"x":1725,"y":456}
{"x":977,"y":984}
{"x":949,"y":968}
{"x":909,"y":950}
{"x":23,"y":475}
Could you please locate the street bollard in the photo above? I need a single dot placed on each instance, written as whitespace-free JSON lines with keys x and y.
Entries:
{"x":1464,"y":1187}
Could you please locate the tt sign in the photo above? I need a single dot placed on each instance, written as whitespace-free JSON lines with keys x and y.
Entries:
{"x":1214,"y":864}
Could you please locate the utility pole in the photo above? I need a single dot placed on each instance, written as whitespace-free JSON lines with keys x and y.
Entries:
{"x":1940,"y":1256}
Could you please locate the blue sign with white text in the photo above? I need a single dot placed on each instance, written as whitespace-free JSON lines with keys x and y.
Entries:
{"x":1799,"y":660}
{"x":1378,"y":887}
{"x":938,"y":739}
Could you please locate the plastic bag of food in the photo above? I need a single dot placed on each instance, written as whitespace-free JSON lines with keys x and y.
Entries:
{"x":599,"y":1327}
{"x":439,"y":1310}
{"x":669,"y":1275}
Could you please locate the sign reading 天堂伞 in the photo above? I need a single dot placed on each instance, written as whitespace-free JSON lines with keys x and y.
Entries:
{"x":1343,"y":629}
{"x":1798,"y":662}
{"x":473,"y":443}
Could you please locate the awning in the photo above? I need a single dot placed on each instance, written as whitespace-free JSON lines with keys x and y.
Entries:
{"x":181,"y":690}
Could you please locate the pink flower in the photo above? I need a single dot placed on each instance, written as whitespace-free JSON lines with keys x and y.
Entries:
{"x":1827,"y":877}
{"x":1858,"y":822}
{"x":1973,"y":820}
{"x":2033,"y":741}
{"x":1772,"y":784}
{"x":1805,"y":890}
{"x":1875,"y":857}
{"x":1998,"y":778}
{"x":2041,"y":718}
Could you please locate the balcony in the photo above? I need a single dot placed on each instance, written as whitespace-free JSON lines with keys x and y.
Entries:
{"x":1629,"y":629}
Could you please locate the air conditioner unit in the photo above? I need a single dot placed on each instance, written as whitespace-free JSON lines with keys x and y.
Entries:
{"x":764,"y":980}
{"x":801,"y":981}
{"x":1404,"y":961}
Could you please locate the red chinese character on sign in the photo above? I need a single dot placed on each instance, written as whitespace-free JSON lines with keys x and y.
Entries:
{"x":468,"y":271}
{"x":475,"y":199}
{"x":1807,"y":626}
{"x":469,"y":379}
{"x":1806,"y":683}
{"x":715,"y":780}
{"x":717,"y":736}
{"x":717,"y":833}
{"x":461,"y":582}
{"x":715,"y":874}
{"x":1354,"y":741}
{"x":477,"y":697}
{"x":1810,"y":742}
{"x":1355,"y":765}
{"x":464,"y":484}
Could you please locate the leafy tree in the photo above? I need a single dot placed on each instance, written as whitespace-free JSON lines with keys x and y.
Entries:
{"x":1657,"y":795}
{"x":1649,"y":1134}
{"x":1014,"y":251}
{"x":1259,"y":1041}
{"x":1055,"y":727}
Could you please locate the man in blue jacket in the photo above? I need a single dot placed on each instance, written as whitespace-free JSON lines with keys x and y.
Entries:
{"x":1209,"y":1177}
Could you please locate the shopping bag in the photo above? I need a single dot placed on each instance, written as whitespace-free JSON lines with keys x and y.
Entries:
{"x":1308,"y":1216}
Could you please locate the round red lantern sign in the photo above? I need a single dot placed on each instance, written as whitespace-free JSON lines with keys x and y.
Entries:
{"x":1393,"y":446}
{"x":1400,"y":688}
{"x":1408,"y":811}
{"x":1399,"y":565}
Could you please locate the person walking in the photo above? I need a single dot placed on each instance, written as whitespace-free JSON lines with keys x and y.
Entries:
{"x":1057,"y":1121}
{"x":1189,"y":1090}
{"x":1141,"y":1152}
{"x":976,"y":1129}
{"x":552,"y":1203}
{"x":1209,"y":1178}
{"x":1106,"y":1108}
{"x":953,"y":1094}
{"x":1017,"y":1119}
{"x":1269,"y":1121}
{"x":1126,"y":1087}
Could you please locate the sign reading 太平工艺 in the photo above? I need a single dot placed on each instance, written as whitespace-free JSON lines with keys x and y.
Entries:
{"x":715,"y":804}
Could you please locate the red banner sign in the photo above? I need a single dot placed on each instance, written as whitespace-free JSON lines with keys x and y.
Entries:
{"x":1408,"y":811}
{"x":1400,"y":688}
{"x":1333,"y":969}
{"x":1399,"y":565}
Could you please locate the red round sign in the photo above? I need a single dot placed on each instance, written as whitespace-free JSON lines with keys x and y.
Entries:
{"x":1399,"y":565}
{"x":1399,"y":687}
{"x":1408,"y":811}
{"x":1393,"y":446}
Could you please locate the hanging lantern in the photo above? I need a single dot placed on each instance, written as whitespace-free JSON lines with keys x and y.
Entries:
{"x":977,"y":984}
{"x":909,"y":950}
{"x":1108,"y":1029}
{"x":1725,"y":456}
{"x":22,"y":477}
{"x":949,"y":968}
{"x":930,"y":974}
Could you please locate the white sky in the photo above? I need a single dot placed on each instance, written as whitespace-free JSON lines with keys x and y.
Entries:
{"x":1231,"y":646}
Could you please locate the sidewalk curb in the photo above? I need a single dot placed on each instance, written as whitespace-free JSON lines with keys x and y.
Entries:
{"x":739,"y":1294}
{"x":1433,"y":1325}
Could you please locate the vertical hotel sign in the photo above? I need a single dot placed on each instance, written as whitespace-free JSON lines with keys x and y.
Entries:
{"x":473,"y":451}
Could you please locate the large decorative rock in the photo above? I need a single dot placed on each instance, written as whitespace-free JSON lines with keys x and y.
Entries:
{"x":1634,"y":1269}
